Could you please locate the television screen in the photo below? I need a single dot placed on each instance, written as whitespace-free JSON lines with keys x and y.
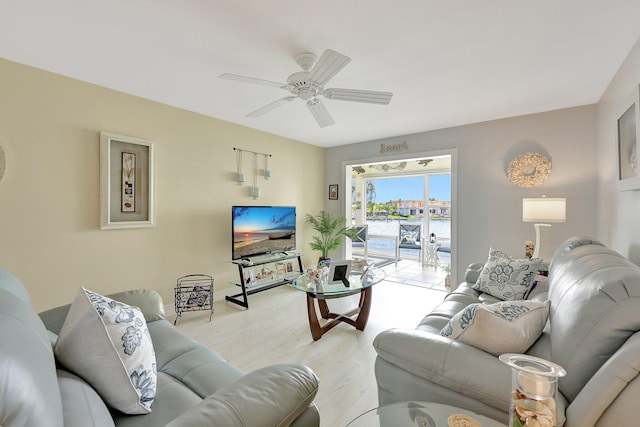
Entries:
{"x":260,"y":230}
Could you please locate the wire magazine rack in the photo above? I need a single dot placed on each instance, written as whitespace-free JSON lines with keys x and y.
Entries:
{"x":194,"y":292}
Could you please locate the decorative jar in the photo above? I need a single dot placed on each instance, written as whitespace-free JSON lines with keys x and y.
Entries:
{"x":534,"y":385}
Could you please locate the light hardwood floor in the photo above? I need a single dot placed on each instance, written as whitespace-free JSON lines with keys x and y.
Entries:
{"x":275,"y":329}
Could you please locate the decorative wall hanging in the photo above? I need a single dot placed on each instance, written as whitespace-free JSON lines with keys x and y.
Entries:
{"x":386,"y":167}
{"x":126,"y":182}
{"x":628,"y":138}
{"x":240,"y":175}
{"x":529,"y":170}
{"x":3,"y":162}
{"x":384,"y":148}
{"x":255,"y":190}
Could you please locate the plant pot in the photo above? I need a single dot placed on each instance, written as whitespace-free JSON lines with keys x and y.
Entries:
{"x":447,"y":282}
{"x":324,"y":262}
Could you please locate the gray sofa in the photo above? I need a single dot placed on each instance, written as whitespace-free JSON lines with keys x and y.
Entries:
{"x":592,"y":332}
{"x":195,"y":386}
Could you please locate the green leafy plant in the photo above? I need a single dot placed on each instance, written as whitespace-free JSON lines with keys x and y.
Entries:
{"x":332,"y":230}
{"x":446,"y":268}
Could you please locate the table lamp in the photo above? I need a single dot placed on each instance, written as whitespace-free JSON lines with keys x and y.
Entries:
{"x":541,"y":211}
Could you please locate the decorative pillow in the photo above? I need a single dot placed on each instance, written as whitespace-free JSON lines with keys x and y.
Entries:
{"x":108,"y":344}
{"x":506,"y":278}
{"x":503,"y":327}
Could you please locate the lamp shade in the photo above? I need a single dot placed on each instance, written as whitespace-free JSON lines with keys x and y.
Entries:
{"x":544,"y":209}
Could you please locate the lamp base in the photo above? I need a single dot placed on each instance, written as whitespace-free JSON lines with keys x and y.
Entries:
{"x":543,"y":244}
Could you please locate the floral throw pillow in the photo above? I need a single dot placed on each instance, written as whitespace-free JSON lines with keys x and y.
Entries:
{"x":507,"y":278}
{"x":503,"y":327}
{"x":107,"y":343}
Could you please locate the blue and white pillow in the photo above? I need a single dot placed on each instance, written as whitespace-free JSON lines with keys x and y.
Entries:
{"x":507,"y":278}
{"x":503,"y":327}
{"x":107,"y":343}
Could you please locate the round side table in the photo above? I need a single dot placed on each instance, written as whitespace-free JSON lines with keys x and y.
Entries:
{"x":416,"y":414}
{"x":431,"y":254}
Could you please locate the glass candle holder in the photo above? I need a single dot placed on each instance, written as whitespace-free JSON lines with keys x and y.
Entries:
{"x":534,"y":385}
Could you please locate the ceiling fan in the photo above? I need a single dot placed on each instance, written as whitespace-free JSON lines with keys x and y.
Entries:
{"x":309,"y":85}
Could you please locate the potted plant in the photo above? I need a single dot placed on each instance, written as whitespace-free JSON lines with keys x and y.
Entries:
{"x":332,"y":230}
{"x":447,"y":280}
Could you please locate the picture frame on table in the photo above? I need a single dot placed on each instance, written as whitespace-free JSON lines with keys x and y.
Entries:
{"x":628,"y":137}
{"x":339,"y":272}
{"x":333,"y":192}
{"x":127,"y":182}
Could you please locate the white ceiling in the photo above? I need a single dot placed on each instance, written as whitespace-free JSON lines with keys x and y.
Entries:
{"x":447,"y":62}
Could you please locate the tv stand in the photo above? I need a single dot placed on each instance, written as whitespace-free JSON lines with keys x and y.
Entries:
{"x":261,"y":276}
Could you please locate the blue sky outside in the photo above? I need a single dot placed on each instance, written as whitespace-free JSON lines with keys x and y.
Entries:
{"x":411,"y":188}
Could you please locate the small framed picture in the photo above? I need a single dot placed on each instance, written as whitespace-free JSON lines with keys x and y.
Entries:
{"x":339,"y":272}
{"x":333,"y":192}
{"x":628,"y":126}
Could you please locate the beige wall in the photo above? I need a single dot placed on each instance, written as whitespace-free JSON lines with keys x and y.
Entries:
{"x":50,"y":233}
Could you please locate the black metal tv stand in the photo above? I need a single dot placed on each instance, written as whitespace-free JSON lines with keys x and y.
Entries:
{"x":284,"y":273}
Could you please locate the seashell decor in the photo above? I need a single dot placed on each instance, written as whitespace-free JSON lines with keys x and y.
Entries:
{"x":534,"y":384}
{"x":461,"y":420}
{"x":531,"y":412}
{"x":529,"y":170}
{"x":317,"y":275}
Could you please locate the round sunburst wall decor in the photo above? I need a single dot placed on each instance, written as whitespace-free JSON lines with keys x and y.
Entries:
{"x":529,"y":170}
{"x":3,"y":162}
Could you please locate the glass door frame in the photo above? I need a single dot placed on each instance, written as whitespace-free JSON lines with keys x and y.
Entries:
{"x":453,"y":153}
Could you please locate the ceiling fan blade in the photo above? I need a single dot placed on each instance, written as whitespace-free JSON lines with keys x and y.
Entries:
{"x":369,"y":96}
{"x":329,"y":63}
{"x":271,"y":106}
{"x":320,"y":112}
{"x":252,"y":80}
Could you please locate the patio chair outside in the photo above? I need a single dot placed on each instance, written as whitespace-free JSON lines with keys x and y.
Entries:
{"x":362,"y":240}
{"x":410,"y":238}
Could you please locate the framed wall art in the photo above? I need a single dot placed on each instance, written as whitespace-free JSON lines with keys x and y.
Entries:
{"x":126,"y":182}
{"x":627,"y":129}
{"x":333,"y":192}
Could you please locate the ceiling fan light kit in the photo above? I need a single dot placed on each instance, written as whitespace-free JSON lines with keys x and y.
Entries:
{"x":310,"y":83}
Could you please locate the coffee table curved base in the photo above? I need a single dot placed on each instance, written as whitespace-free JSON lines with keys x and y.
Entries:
{"x":317,"y":330}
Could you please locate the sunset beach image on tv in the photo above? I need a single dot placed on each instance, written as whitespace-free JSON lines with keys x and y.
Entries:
{"x":260,"y":230}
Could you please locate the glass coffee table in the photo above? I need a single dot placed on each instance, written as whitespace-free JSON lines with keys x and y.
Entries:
{"x":420,"y":414}
{"x":321,"y":291}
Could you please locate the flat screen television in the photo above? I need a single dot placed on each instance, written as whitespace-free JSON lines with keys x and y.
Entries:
{"x":259,"y":230}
